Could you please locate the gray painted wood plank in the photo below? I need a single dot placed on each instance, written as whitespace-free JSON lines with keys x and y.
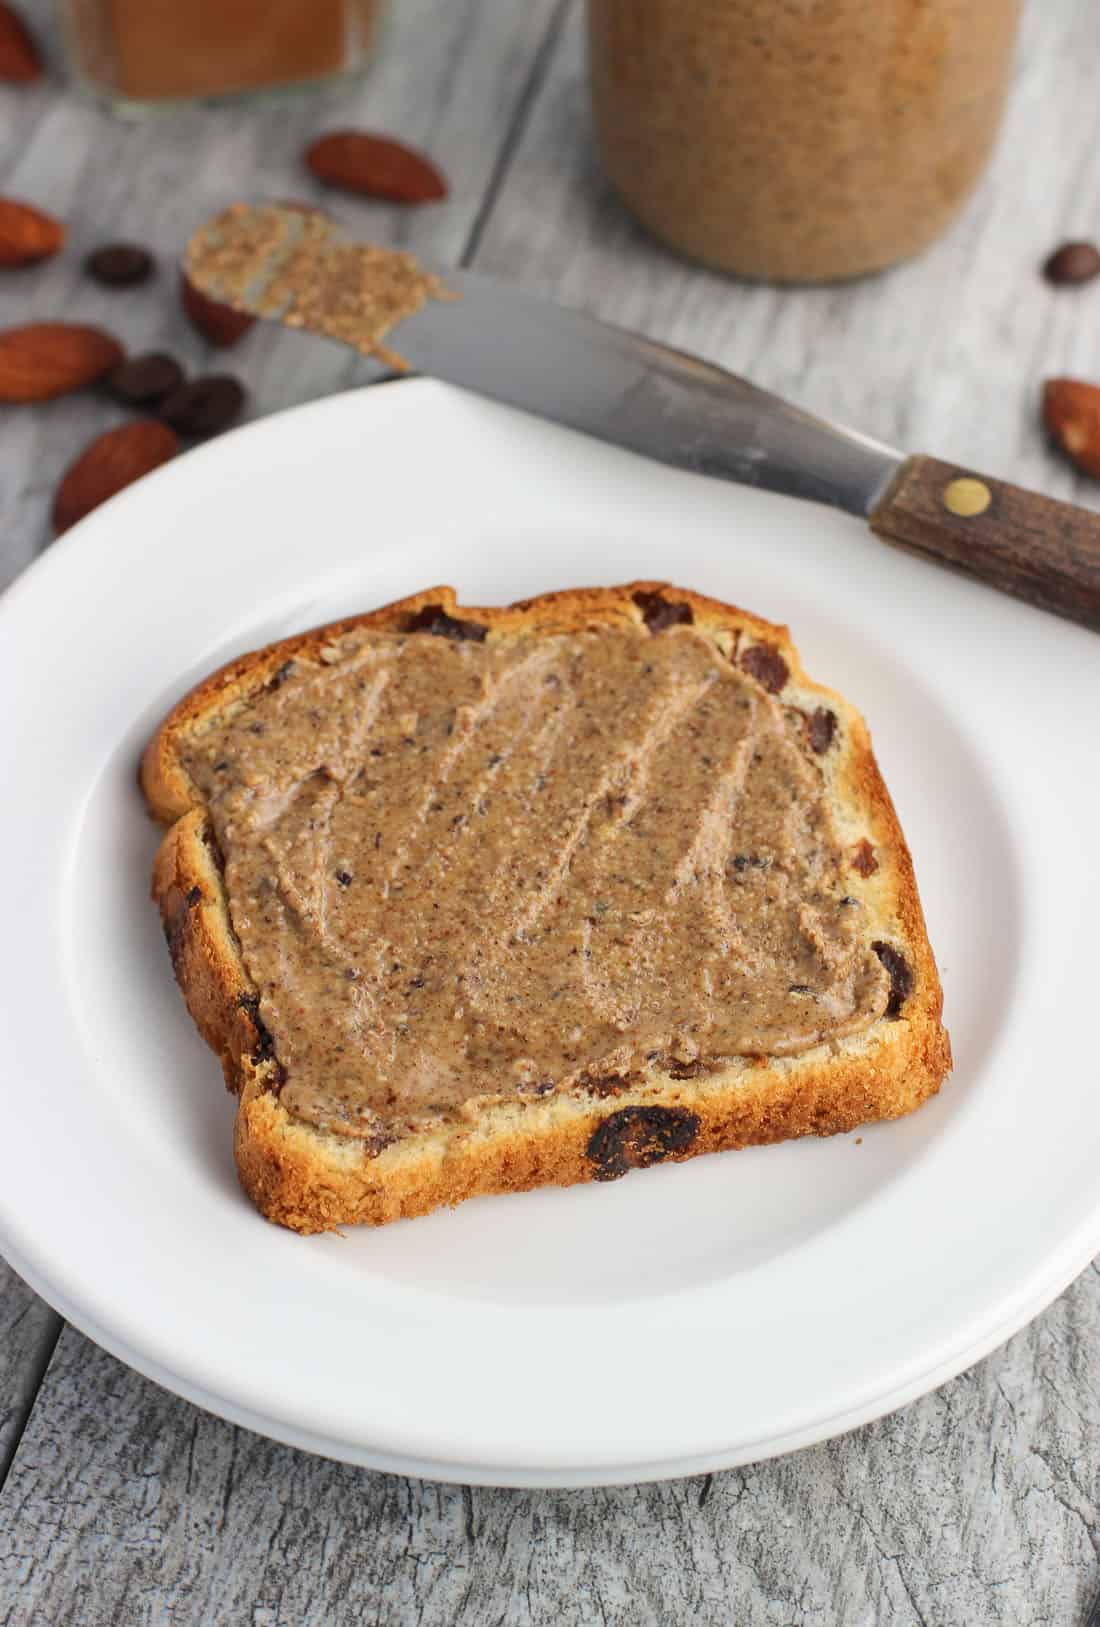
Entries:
{"x":976,"y":1505}
{"x":449,"y":80}
{"x":28,"y":1330}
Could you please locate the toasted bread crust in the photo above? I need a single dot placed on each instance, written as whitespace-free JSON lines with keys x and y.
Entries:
{"x":313,"y":1181}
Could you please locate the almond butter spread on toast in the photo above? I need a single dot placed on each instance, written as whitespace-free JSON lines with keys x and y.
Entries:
{"x":463,"y":869}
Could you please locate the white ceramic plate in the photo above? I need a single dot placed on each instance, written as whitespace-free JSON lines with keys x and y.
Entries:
{"x":685,"y":1318}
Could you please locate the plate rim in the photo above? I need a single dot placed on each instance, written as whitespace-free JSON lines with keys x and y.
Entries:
{"x":1045,"y":1291}
{"x":1043,"y":1286}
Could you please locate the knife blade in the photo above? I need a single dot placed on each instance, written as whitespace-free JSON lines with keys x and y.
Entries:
{"x":574,"y":369}
{"x":620,"y":387}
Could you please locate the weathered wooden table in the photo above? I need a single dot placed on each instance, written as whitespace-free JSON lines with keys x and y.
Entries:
{"x":121,"y":1504}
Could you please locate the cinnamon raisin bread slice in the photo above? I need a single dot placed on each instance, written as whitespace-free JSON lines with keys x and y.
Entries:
{"x":476,"y":900}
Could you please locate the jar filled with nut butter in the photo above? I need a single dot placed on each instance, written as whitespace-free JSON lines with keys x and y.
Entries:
{"x":798,"y":140}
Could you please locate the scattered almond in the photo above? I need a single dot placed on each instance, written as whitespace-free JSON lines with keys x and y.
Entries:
{"x":47,"y":359}
{"x":374,"y":166}
{"x":1071,"y":412}
{"x":27,"y":234}
{"x":20,"y":62}
{"x":220,"y":324}
{"x":112,"y":461}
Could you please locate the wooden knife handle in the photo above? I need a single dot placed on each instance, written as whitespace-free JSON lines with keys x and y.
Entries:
{"x":1033,"y":547}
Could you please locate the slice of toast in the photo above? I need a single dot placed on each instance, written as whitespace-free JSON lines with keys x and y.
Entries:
{"x":596,"y":1115}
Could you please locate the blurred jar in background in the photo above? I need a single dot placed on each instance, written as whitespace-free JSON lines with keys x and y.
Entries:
{"x":138,"y":53}
{"x":798,"y":140}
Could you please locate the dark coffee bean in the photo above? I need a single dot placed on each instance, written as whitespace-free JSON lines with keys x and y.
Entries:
{"x":205,"y":406}
{"x":119,"y":265}
{"x":1073,"y":262}
{"x":143,"y":380}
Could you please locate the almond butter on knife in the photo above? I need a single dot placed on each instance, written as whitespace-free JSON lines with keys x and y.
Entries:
{"x":531,"y":353}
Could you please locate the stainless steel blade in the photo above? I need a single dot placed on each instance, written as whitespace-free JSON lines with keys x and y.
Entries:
{"x":531,"y":353}
{"x":294,"y":266}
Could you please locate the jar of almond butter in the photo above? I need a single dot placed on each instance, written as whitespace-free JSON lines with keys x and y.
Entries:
{"x":798,"y":140}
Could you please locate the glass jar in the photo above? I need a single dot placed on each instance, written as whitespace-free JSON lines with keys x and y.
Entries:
{"x":798,"y":140}
{"x":140,"y":54}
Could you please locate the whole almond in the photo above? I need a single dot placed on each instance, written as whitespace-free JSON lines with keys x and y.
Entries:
{"x":374,"y":166}
{"x":112,"y":461}
{"x":20,"y":62}
{"x":219,"y":324}
{"x":27,"y":234}
{"x":46,"y":359}
{"x":1071,"y":412}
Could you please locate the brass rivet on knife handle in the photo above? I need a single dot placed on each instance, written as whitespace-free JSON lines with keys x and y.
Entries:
{"x":1039,"y":550}
{"x":967,"y":497}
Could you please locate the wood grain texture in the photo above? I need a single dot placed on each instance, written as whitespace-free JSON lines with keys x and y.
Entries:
{"x":450,"y":80}
{"x":1036,"y":548}
{"x":28,"y":1331}
{"x":976,"y":1505}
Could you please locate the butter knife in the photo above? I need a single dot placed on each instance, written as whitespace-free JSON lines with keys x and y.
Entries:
{"x":529,"y":352}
